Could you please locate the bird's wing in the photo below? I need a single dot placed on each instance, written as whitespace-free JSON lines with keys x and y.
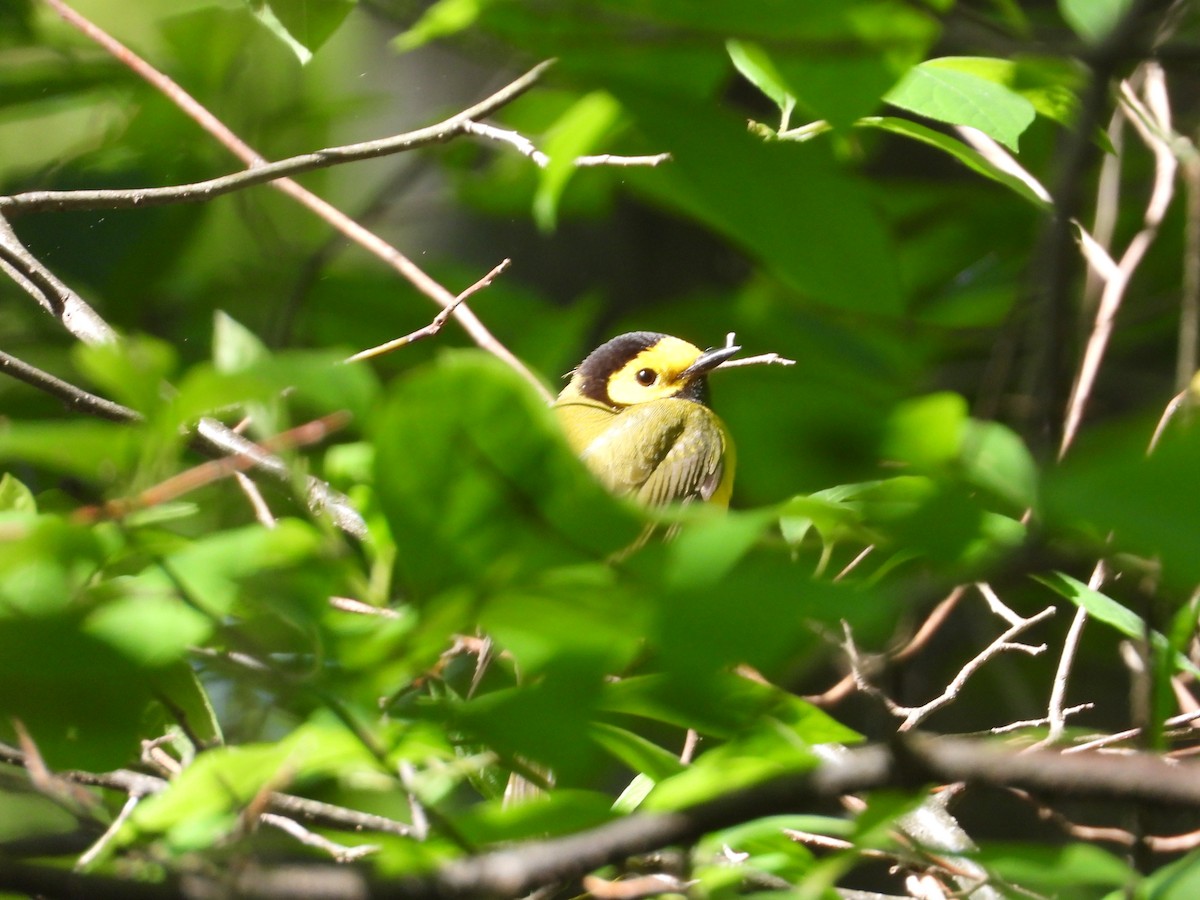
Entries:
{"x":692,"y":467}
{"x":659,"y":454}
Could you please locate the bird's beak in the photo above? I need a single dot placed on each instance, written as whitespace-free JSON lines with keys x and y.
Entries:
{"x":708,"y":360}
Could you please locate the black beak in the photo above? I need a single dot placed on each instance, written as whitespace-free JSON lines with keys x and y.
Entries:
{"x":709,"y":360}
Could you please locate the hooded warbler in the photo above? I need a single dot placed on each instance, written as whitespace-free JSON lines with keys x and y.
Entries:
{"x":636,"y":411}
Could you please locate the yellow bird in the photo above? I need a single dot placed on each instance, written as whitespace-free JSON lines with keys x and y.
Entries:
{"x":636,"y":411}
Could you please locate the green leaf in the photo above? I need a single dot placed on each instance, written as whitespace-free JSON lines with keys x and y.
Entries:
{"x":961,"y":98}
{"x":47,"y":568}
{"x":576,"y":133}
{"x":132,"y":371}
{"x":1178,"y":880}
{"x":14,"y":496}
{"x":1104,"y":609}
{"x":301,"y":25}
{"x":853,"y":52}
{"x":1052,"y":869}
{"x":212,"y":567}
{"x":640,"y":755}
{"x":147,"y":622}
{"x":1108,"y":485}
{"x":235,"y":347}
{"x":995,"y":458}
{"x":755,"y":65}
{"x":440,"y":19}
{"x":1093,"y":19}
{"x":926,"y":431}
{"x":562,"y":811}
{"x":1050,"y":83}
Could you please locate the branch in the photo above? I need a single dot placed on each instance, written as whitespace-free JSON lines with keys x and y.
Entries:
{"x":201,"y":191}
{"x":138,"y":784}
{"x":526,"y":148}
{"x":514,"y":871}
{"x":211,"y":438}
{"x":51,"y":294}
{"x":438,"y":322}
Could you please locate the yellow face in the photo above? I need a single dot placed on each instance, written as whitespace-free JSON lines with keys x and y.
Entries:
{"x":641,"y":367}
{"x":654,"y":373}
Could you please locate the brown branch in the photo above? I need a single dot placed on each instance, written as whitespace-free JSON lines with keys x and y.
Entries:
{"x":75,"y":397}
{"x":206,"y":473}
{"x":364,"y":237}
{"x":138,"y":784}
{"x":515,"y":871}
{"x":211,"y":438}
{"x":438,"y":322}
{"x":51,"y":294}
{"x":260,"y":173}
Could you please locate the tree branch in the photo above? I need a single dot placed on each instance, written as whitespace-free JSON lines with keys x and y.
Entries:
{"x":514,"y":871}
{"x":201,"y":191}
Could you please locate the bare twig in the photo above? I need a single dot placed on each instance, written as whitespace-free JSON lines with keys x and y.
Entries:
{"x":1188,"y":355}
{"x":1130,"y":734}
{"x":340,"y":852}
{"x":93,"y":852}
{"x":337,"y":219}
{"x":924,"y":633}
{"x":1153,"y":122}
{"x":51,"y":294}
{"x":763,"y":359}
{"x":438,"y":321}
{"x":348,"y":604}
{"x":212,"y":437}
{"x":999,"y":157}
{"x":913,"y":716}
{"x":74,"y":397}
{"x":1051,"y":277}
{"x":203,"y":191}
{"x":1056,"y":715}
{"x":527,"y":148}
{"x":262,"y":512}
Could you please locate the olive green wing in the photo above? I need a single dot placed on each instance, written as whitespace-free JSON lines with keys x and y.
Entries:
{"x":666,"y":451}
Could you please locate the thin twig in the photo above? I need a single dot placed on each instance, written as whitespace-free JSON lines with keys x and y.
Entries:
{"x":340,"y":852}
{"x":90,"y":855}
{"x":998,"y":156}
{"x":1188,"y":353}
{"x":214,"y":470}
{"x":51,"y":294}
{"x":74,"y":397}
{"x":262,"y":512}
{"x":527,"y":148}
{"x":263,"y":172}
{"x":1153,"y":122}
{"x":913,"y":716}
{"x":438,"y":321}
{"x":1130,"y":734}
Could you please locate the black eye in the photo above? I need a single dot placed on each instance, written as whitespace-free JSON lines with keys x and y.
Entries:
{"x":647,"y":377}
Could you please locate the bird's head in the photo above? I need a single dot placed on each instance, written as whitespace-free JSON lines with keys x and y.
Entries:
{"x":644,"y":365}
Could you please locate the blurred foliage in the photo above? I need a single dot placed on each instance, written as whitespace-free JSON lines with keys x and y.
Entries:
{"x":820,"y":201}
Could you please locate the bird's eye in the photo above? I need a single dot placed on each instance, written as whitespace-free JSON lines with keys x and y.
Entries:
{"x":647,"y":377}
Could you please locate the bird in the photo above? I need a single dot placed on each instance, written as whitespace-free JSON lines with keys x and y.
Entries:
{"x":636,"y":412}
